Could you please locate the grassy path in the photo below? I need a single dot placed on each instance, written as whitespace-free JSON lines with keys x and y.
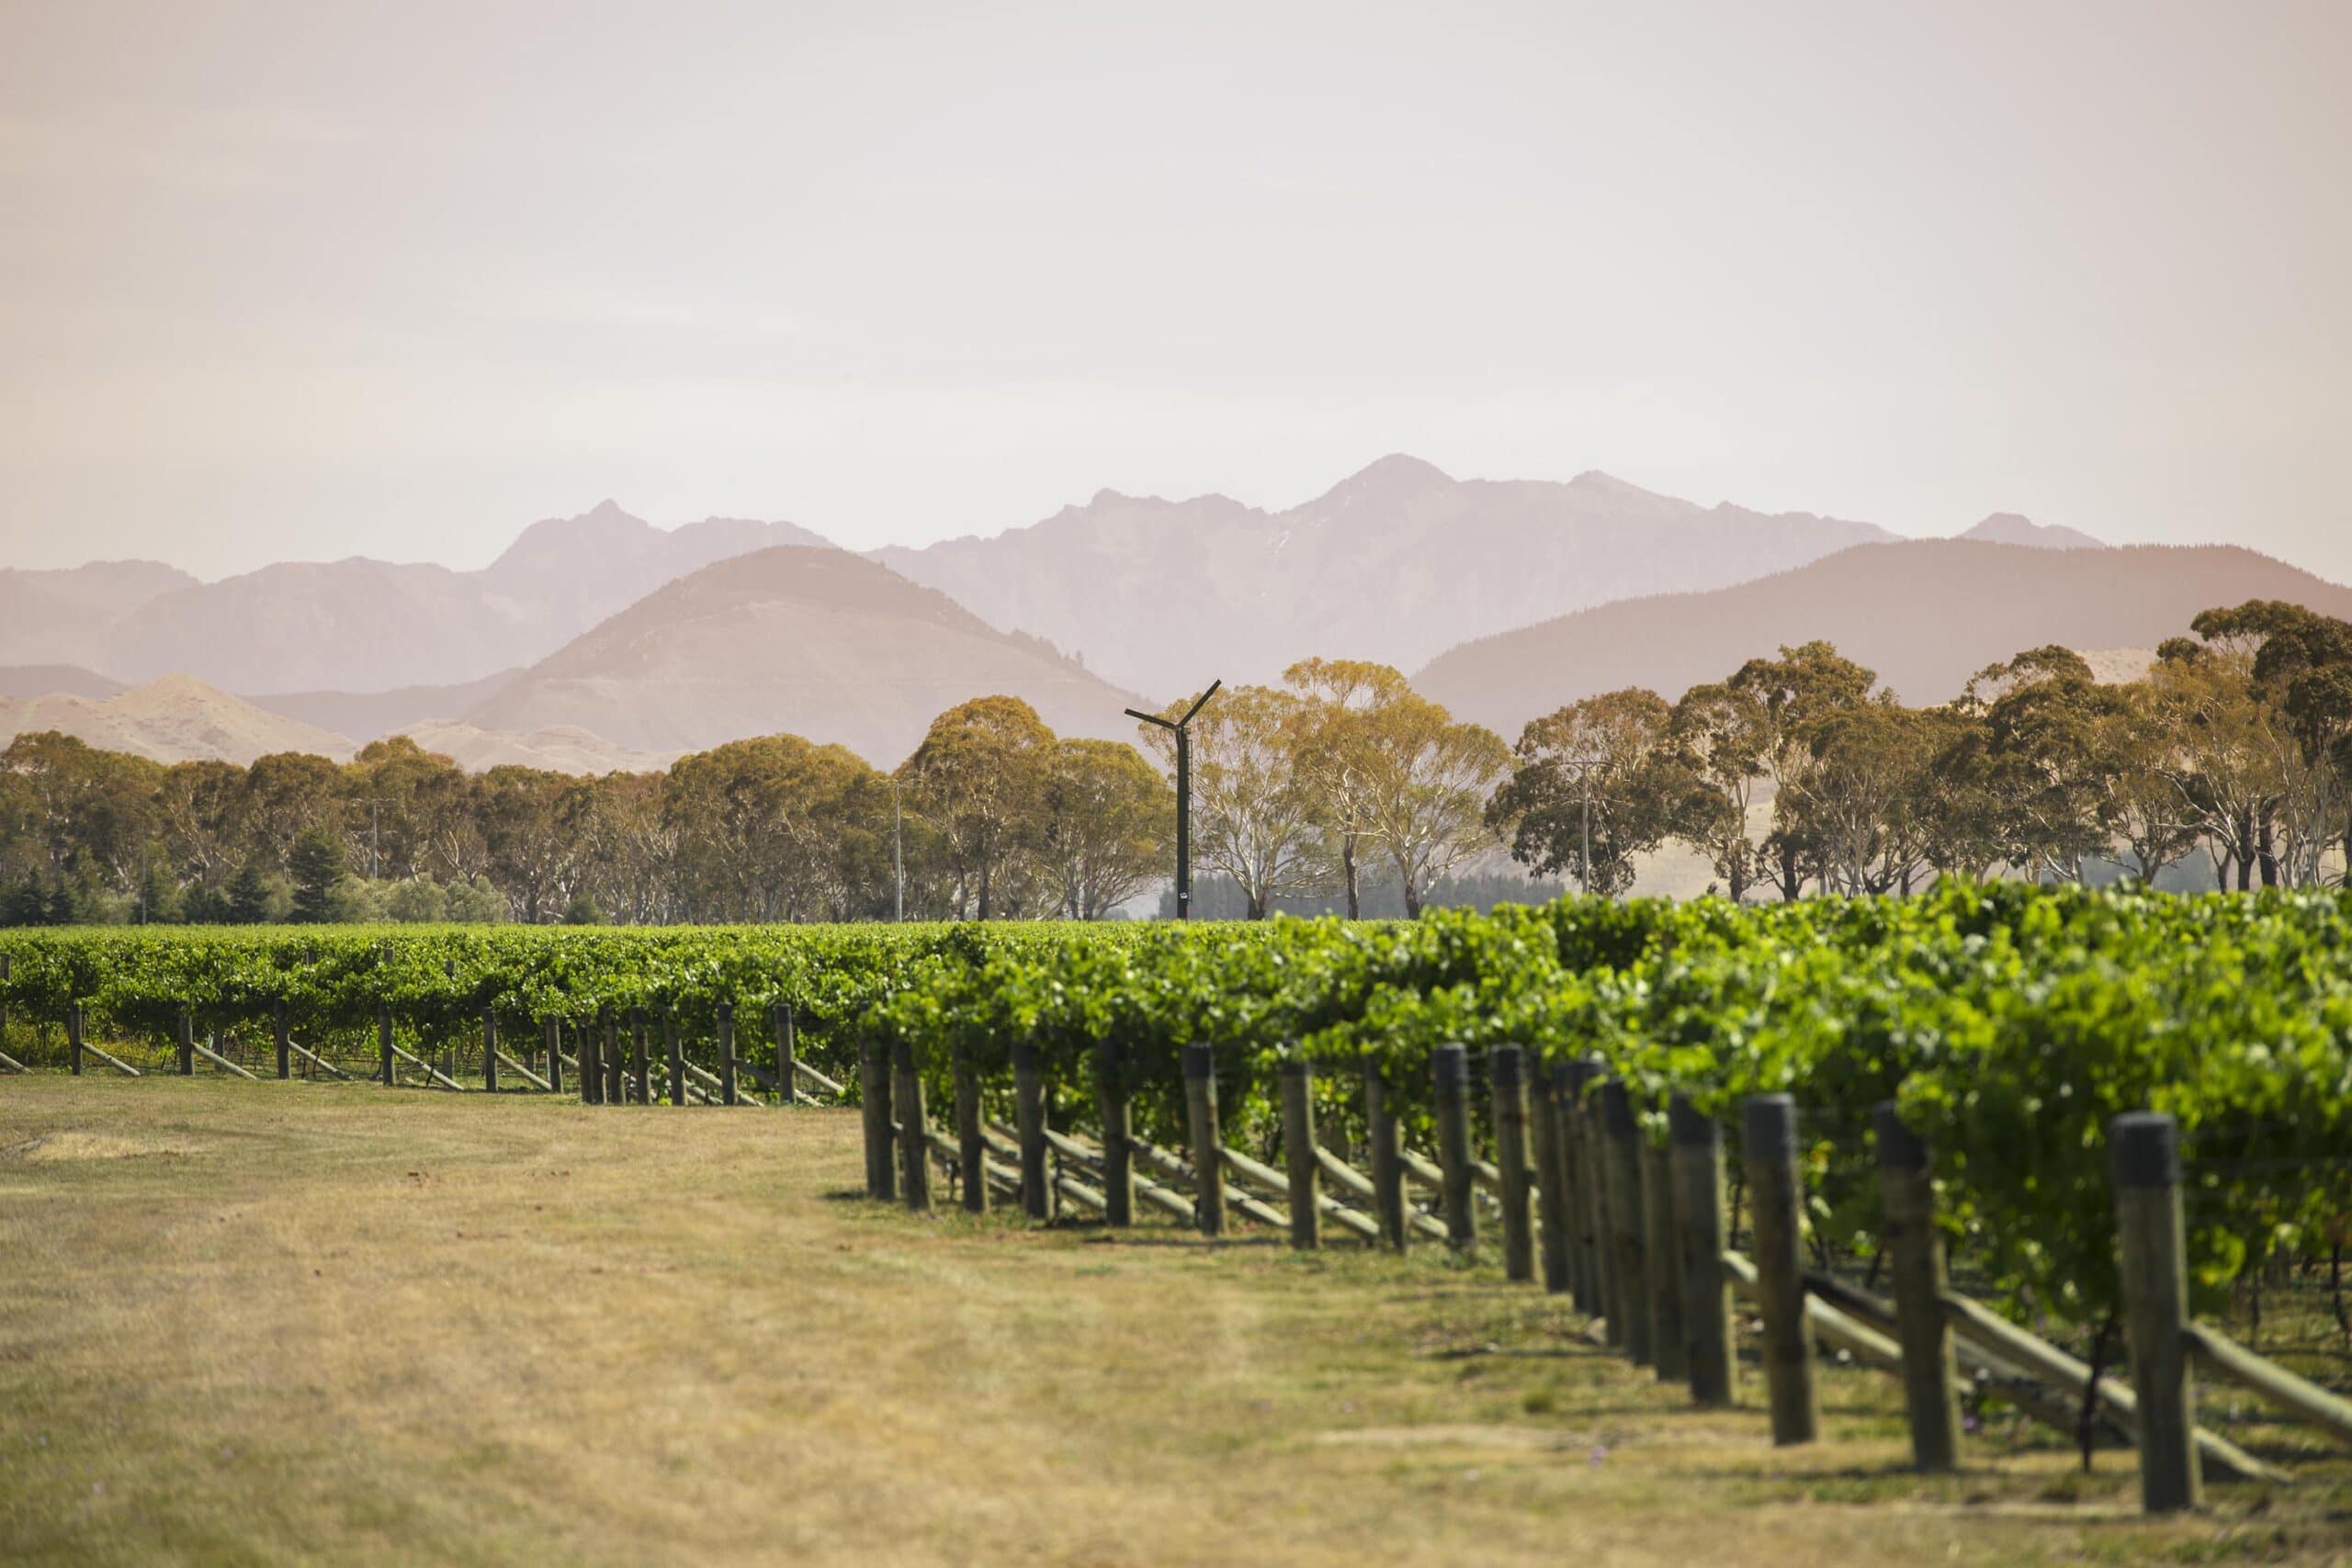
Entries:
{"x":247,"y":1323}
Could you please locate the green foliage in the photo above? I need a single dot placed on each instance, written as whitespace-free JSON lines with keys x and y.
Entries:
{"x":2011,"y":1022}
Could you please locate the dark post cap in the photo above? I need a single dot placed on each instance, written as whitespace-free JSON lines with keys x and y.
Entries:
{"x":1899,"y":1149}
{"x":1295,"y":1067}
{"x":1200,"y":1062}
{"x":1616,"y":1109}
{"x":1024,"y":1056}
{"x":1768,"y":1126}
{"x":2145,"y":1146}
{"x":1686,"y":1128}
{"x":1506,"y":1064}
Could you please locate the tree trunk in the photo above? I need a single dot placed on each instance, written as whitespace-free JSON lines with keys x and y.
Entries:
{"x":1351,"y":875}
{"x":2267,"y":852}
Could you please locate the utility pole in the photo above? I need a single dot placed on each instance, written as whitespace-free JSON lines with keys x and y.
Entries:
{"x":1586,"y":776}
{"x":1182,"y":727}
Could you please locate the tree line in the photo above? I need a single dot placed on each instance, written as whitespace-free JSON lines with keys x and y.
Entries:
{"x":992,"y":817}
{"x":1794,"y":775}
{"x":1800,"y":773}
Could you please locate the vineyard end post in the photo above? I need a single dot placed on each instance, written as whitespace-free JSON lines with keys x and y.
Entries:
{"x":1551,"y":1190}
{"x":2145,"y":1150}
{"x":280,"y":1036}
{"x":1298,"y":1154}
{"x":74,"y":1037}
{"x":187,"y":1042}
{"x":1387,"y":1160}
{"x":1696,"y":1147}
{"x":1593,"y":1218}
{"x":673,"y":1054}
{"x":489,"y":1050}
{"x":551,"y":1041}
{"x":727,"y":1094}
{"x":1506,"y":1081}
{"x":915,"y":1134}
{"x":640,"y":1055}
{"x":1029,"y":1119}
{"x":1776,"y":1203}
{"x":1621,"y":1179}
{"x":384,"y":1044}
{"x":1450,"y":1077}
{"x":787,"y":1050}
{"x":971,"y":1141}
{"x":1906,"y":1191}
{"x":1670,"y":1343}
{"x":1118,"y":1132}
{"x":1208,"y":1159}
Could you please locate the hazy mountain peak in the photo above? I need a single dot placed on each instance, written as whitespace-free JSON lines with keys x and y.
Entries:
{"x":2010,"y":528}
{"x":1397,"y":472}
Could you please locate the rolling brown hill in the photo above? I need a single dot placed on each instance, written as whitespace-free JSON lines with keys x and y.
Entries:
{"x":175,"y":719}
{"x":1395,"y":563}
{"x":1925,"y":614}
{"x":814,"y":642}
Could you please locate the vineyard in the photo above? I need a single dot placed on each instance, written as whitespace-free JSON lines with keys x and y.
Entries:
{"x":2001,"y":1028}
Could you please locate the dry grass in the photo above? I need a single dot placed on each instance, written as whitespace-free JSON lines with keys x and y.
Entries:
{"x":245,"y":1323}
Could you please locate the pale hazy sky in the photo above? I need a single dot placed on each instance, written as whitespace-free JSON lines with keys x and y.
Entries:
{"x":310,"y":279}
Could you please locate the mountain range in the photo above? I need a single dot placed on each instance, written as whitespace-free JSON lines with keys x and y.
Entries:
{"x":599,"y":641}
{"x":1925,"y":614}
{"x":1396,"y":563}
{"x":360,"y":625}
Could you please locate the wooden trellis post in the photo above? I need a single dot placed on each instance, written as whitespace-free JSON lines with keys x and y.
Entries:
{"x":1593,"y":1213}
{"x":673,"y":1053}
{"x":1697,"y":1149}
{"x":588,"y":1046}
{"x":1118,"y":1132}
{"x":1450,"y":1074}
{"x":1776,"y":1204}
{"x":489,"y":1050}
{"x":1298,"y":1154}
{"x":279,"y":1035}
{"x":1550,"y":1172}
{"x":2145,"y":1151}
{"x":551,"y":1041}
{"x":971,"y":1136}
{"x":1622,"y":1177}
{"x":1208,"y":1159}
{"x":1387,"y":1160}
{"x":384,"y":1043}
{"x":640,"y":1055}
{"x":1029,"y":1127}
{"x":74,"y":1037}
{"x":1916,"y":1249}
{"x":727,"y":1091}
{"x":1669,"y":1348}
{"x":914,"y":1135}
{"x":786,"y":1026}
{"x":1507,"y":1078}
{"x":186,"y":1043}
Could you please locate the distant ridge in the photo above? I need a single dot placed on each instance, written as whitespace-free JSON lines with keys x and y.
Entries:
{"x":363,"y":625}
{"x":1925,"y":614}
{"x":1395,"y":562}
{"x":2008,"y":528}
{"x":814,"y":642}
